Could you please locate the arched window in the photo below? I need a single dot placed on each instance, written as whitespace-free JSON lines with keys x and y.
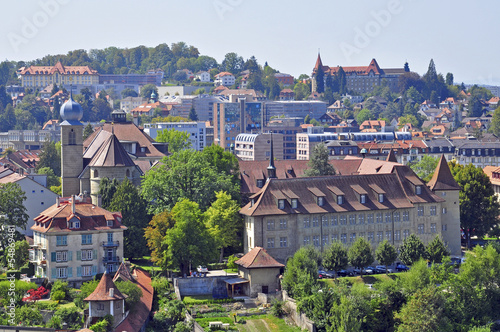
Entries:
{"x":96,"y":174}
{"x":72,"y":137}
{"x":127,"y":173}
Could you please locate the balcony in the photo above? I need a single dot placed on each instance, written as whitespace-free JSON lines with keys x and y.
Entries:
{"x":112,"y":259}
{"x":110,"y":243}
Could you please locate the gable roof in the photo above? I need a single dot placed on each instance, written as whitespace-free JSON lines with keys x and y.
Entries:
{"x":258,"y":258}
{"x":101,"y":293}
{"x":442,"y":178}
{"x":111,"y":154}
{"x":123,"y":273}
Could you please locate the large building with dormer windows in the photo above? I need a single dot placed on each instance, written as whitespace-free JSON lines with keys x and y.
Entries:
{"x":378,"y":202}
{"x":74,"y":240}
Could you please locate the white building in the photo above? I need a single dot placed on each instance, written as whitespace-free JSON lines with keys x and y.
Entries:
{"x":203,"y":76}
{"x":196,"y":130}
{"x":225,"y":78}
{"x":38,"y":197}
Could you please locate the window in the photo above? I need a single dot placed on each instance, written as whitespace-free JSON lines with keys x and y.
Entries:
{"x":361,"y":218}
{"x":381,"y":198}
{"x":316,"y":240}
{"x":379,"y":217}
{"x":61,"y":240}
{"x":370,"y":236}
{"x":343,"y":220}
{"x":324,"y":221}
{"x":406,"y":233}
{"x":283,"y":224}
{"x":418,"y":190}
{"x":61,"y":256}
{"x":109,"y":223}
{"x":87,"y":270}
{"x":352,"y":237}
{"x":127,"y":173}
{"x":369,"y":218}
{"x":281,"y":204}
{"x":387,"y":217}
{"x":87,"y":255}
{"x":396,"y":217}
{"x":433,"y":210}
{"x":270,"y":242}
{"x":352,"y":219}
{"x":61,"y":272}
{"x":343,"y":238}
{"x":397,"y":235}
{"x":110,"y":237}
{"x":362,"y":198}
{"x":445,"y":210}
{"x":406,"y":216}
{"x":420,"y":211}
{"x":315,"y":222}
{"x":260,"y":183}
{"x":444,"y":227}
{"x":307,"y":222}
{"x":96,"y":174}
{"x":335,"y":221}
{"x":100,"y":306}
{"x":335,"y":237}
{"x":270,"y":225}
{"x":72,"y":137}
{"x":86,"y":238}
{"x":340,"y":199}
{"x":388,"y":235}
{"x":283,"y":241}
{"x":380,"y":236}
{"x":294,"y":203}
{"x":433,"y":228}
{"x":420,"y":228}
{"x":324,"y":240}
{"x":306,"y":240}
{"x":321,"y":201}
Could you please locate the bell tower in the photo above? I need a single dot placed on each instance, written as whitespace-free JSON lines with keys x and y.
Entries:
{"x":71,"y":147}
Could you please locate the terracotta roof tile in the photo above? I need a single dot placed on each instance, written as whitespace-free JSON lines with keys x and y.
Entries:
{"x":102,"y":292}
{"x":442,"y":178}
{"x":258,"y":258}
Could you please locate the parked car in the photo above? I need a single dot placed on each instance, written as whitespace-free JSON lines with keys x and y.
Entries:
{"x":401,"y":268}
{"x":381,"y":269}
{"x":367,"y":270}
{"x":345,"y":273}
{"x":202,"y":269}
{"x":324,"y":274}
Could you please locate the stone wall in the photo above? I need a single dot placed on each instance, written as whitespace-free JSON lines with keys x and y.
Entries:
{"x":300,"y":319}
{"x":200,"y":286}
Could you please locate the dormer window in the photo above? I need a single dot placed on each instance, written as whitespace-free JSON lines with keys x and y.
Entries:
{"x":362,"y":199}
{"x":295,"y":203}
{"x":418,"y":190}
{"x":321,"y":201}
{"x":260,"y":183}
{"x":281,"y":204}
{"x":381,"y":198}
{"x":340,"y":199}
{"x":109,"y":223}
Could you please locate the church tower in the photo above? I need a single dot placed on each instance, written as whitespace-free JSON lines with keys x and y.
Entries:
{"x":71,"y":147}
{"x":318,"y":65}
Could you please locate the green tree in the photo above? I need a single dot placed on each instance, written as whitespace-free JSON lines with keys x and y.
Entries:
{"x":232,"y":63}
{"x":147,"y":90}
{"x":52,"y":179}
{"x":425,"y":167}
{"x":134,"y":216}
{"x":224,"y":162}
{"x":224,"y":222}
{"x":107,"y":189}
{"x":188,"y":243}
{"x":301,"y":91}
{"x":12,"y":208}
{"x":128,"y":92}
{"x":479,"y":207}
{"x":335,"y":257}
{"x":307,"y":119}
{"x":185,"y":174}
{"x":21,"y":254}
{"x":50,"y":157}
{"x":193,"y":116}
{"x":155,"y":235}
{"x":495,"y":122}
{"x":86,"y":289}
{"x":423,"y":312}
{"x":320,"y":80}
{"x":360,"y":254}
{"x":386,"y":253}
{"x":87,"y":131}
{"x":363,"y":115}
{"x":301,"y":273}
{"x":411,"y":250}
{"x":132,"y":291}
{"x":318,"y":164}
{"x":449,"y":79}
{"x":177,"y":140}
{"x":26,"y":316}
{"x":436,"y":250}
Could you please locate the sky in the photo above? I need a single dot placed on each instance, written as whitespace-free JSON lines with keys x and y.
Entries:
{"x":461,"y":36}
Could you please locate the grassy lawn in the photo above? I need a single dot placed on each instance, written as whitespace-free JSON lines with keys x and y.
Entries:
{"x":231,"y":270}
{"x":367,"y":279}
{"x":145,"y":263}
{"x":252,"y":323}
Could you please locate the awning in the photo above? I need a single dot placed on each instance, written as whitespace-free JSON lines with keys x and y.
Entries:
{"x":234,"y":281}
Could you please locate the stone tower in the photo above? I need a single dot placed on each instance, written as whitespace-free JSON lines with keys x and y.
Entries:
{"x":444,"y":185}
{"x":71,"y":147}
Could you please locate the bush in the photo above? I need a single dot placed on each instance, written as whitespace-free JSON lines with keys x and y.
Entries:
{"x":70,"y":315}
{"x":28,"y":317}
{"x":100,"y":326}
{"x":132,"y":290}
{"x":55,"y":322}
{"x":57,"y":295}
{"x":230,"y":262}
{"x":216,"y":266}
{"x":85,"y":290}
{"x":21,"y":288}
{"x":44,"y":305}
{"x":59,"y":287}
{"x":278,"y":308}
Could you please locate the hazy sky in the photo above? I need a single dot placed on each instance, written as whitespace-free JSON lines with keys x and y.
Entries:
{"x":461,"y":36}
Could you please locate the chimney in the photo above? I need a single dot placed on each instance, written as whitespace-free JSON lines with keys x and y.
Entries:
{"x":58,"y":203}
{"x":111,"y":292}
{"x":73,"y":204}
{"x":99,"y":200}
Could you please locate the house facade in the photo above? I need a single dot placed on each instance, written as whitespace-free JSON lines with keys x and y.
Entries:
{"x":289,"y":213}
{"x":73,"y":240}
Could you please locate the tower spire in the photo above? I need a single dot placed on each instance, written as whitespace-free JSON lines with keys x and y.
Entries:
{"x":271,"y":170}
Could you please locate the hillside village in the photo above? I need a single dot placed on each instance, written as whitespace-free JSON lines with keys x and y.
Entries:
{"x":170,"y":192}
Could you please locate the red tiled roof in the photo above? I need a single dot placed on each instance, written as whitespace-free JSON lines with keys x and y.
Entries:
{"x":442,"y":178}
{"x":123,"y":273}
{"x":136,"y":319}
{"x":59,"y":68}
{"x":224,"y":73}
{"x":258,"y":258}
{"x":101,"y":293}
{"x":111,"y":153}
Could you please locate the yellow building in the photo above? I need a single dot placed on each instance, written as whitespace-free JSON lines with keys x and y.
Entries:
{"x":42,"y":76}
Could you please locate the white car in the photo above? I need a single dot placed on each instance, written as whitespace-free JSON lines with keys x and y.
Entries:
{"x":202,"y":269}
